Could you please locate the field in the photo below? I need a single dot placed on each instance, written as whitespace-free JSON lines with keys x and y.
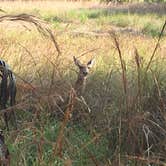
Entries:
{"x":122,"y":111}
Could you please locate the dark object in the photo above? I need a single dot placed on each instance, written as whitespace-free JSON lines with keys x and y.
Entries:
{"x":7,"y":91}
{"x":4,"y":152}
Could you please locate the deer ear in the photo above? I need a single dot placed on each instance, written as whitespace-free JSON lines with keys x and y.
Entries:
{"x":91,"y":63}
{"x":77,"y":62}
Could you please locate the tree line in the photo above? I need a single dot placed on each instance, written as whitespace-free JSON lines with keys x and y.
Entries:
{"x":119,"y":1}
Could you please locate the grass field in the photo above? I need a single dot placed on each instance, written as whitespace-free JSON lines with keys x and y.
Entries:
{"x":125,"y":91}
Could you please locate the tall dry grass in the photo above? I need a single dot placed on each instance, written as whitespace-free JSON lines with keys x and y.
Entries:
{"x":127,"y":102}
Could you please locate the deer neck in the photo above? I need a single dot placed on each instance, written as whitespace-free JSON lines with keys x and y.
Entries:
{"x":80,"y":85}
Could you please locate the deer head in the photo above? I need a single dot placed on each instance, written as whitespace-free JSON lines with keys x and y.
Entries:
{"x":84,"y":69}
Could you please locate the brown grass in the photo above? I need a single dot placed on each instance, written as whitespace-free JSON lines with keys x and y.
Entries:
{"x":56,"y":6}
{"x":116,"y":78}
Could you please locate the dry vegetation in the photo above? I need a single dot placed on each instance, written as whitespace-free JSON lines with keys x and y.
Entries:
{"x":125,"y":92}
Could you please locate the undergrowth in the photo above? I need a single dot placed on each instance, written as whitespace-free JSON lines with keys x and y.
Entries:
{"x":123,"y":108}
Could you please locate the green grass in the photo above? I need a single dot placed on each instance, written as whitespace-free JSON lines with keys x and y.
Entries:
{"x":78,"y":149}
{"x":149,"y":24}
{"x":117,"y":116}
{"x":144,"y":20}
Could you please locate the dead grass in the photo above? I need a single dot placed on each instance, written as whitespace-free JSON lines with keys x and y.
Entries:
{"x":56,"y":6}
{"x":126,"y":100}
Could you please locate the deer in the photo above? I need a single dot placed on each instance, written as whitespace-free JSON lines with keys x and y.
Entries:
{"x":7,"y":92}
{"x":84,"y":70}
{"x":78,"y":87}
{"x":80,"y":84}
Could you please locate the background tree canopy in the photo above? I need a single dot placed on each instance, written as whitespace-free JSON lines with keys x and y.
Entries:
{"x":157,"y":1}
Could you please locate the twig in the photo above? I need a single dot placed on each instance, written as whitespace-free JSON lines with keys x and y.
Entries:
{"x":123,"y":67}
{"x":157,"y":45}
{"x":147,"y":132}
{"x":40,"y":25}
{"x":54,"y":41}
{"x":59,"y":143}
{"x":11,"y":108}
{"x":30,"y":54}
{"x":146,"y":160}
{"x":88,"y":51}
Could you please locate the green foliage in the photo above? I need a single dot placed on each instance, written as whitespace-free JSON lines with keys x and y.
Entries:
{"x":26,"y":150}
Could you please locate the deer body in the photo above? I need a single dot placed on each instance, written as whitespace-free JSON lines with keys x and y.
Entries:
{"x":80,"y":85}
{"x":7,"y":90}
